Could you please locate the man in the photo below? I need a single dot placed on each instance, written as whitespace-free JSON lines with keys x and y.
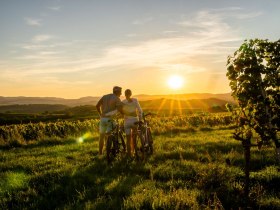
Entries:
{"x":106,"y":106}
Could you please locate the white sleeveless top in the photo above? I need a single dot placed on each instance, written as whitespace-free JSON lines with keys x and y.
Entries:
{"x":132,"y":109}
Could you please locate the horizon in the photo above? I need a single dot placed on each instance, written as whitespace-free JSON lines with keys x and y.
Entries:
{"x":141,"y":94}
{"x":69,"y":49}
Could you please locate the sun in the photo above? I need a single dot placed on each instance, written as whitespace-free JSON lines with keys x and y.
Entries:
{"x":175,"y":82}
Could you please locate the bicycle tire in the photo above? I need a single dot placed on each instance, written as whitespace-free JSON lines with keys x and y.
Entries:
{"x":150,"y":141}
{"x":110,"y":149}
{"x":122,"y":143}
{"x":139,"y":147}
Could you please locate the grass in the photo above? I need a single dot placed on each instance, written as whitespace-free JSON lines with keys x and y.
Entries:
{"x":188,"y":171}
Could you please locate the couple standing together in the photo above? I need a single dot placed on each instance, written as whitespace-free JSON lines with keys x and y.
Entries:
{"x":130,"y":108}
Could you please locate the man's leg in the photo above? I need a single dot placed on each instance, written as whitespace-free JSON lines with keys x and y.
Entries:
{"x":103,"y":125}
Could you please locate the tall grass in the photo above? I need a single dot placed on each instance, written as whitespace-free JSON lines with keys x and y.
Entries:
{"x":193,"y":170}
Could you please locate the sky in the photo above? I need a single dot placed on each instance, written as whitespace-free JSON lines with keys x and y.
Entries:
{"x":73,"y":49}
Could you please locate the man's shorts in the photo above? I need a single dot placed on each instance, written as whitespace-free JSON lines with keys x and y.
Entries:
{"x":106,"y":125}
{"x":129,"y":124}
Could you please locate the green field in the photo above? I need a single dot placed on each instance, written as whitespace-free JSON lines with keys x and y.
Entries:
{"x":191,"y":169}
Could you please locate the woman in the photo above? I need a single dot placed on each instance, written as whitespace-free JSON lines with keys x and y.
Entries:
{"x":132,"y":113}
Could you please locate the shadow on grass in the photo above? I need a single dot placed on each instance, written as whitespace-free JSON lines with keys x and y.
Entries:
{"x":99,"y":184}
{"x":198,"y":150}
{"x":216,"y":151}
{"x":44,"y":143}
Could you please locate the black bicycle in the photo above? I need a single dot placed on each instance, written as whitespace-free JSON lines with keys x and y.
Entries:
{"x":115,"y":143}
{"x":144,"y":140}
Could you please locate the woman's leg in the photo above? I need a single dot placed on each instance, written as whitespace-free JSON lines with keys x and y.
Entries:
{"x":133,"y":142}
{"x":128,"y":144}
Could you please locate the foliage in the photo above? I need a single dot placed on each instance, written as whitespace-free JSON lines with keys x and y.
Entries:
{"x":254,"y":74}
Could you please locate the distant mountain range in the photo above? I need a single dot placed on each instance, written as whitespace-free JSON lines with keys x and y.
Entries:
{"x":48,"y":100}
{"x":203,"y":101}
{"x":90,"y":100}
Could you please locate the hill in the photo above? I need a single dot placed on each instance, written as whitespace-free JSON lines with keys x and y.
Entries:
{"x":48,"y":100}
{"x":222,"y":96}
{"x":175,"y":104}
{"x":32,"y":108}
{"x":91,"y":100}
{"x":84,"y":106}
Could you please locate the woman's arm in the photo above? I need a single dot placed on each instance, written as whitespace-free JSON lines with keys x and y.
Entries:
{"x":139,"y":109}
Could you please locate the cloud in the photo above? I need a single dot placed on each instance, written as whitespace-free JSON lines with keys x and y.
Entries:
{"x":170,"y":32}
{"x":56,"y":81}
{"x":187,"y":68}
{"x":212,"y":24}
{"x":131,"y":35}
{"x":207,"y":41}
{"x":249,"y":15}
{"x":214,"y":17}
{"x":167,"y":54}
{"x":142,"y":21}
{"x":58,"y":8}
{"x":33,"y":22}
{"x":42,"y":38}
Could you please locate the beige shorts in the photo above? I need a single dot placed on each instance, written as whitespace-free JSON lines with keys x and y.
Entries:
{"x":106,"y":125}
{"x":129,"y":124}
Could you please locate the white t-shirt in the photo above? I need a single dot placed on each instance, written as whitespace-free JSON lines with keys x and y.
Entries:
{"x":132,"y":109}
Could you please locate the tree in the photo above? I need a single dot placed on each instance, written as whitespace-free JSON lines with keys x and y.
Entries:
{"x":254,"y":74}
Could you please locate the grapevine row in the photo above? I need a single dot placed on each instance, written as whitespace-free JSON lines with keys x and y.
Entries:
{"x":12,"y":135}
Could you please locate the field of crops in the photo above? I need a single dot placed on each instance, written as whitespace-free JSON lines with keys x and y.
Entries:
{"x":196,"y":165}
{"x":23,"y":134}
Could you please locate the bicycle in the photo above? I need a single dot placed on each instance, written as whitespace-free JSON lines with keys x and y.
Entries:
{"x":144,"y":140}
{"x":115,"y":143}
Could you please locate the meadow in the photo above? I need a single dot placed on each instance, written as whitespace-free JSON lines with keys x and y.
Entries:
{"x":196,"y":165}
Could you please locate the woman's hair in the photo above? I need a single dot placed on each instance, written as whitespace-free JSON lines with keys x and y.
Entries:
{"x":128,"y":92}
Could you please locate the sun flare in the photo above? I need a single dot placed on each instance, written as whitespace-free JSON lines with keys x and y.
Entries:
{"x":175,"y":82}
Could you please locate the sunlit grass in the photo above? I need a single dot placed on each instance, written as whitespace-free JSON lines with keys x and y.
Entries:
{"x":187,"y":171}
{"x":13,"y":181}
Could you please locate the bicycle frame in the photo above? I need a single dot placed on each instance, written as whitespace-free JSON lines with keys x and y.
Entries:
{"x":114,"y":141}
{"x":144,"y":134}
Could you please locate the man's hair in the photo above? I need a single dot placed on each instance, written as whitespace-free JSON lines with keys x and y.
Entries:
{"x":116,"y":89}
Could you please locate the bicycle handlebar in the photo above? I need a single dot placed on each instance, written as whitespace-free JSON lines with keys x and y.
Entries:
{"x":148,"y":114}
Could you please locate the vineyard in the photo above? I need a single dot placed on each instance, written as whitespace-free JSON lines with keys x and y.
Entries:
{"x":22,"y":134}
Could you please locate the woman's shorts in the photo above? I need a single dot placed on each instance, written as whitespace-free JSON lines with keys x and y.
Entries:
{"x":129,"y":125}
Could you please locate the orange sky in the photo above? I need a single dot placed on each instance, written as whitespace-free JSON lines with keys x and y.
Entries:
{"x":73,"y":49}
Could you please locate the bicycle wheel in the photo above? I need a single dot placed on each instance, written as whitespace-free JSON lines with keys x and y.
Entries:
{"x":139,"y":146}
{"x":150,"y":141}
{"x":110,"y":149}
{"x":122,"y":145}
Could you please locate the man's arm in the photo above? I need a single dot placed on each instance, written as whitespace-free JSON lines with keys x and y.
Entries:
{"x":98,"y":106}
